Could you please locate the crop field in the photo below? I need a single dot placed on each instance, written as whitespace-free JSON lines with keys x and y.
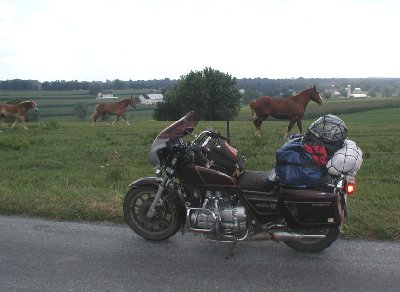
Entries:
{"x":68,"y":170}
{"x":59,"y":105}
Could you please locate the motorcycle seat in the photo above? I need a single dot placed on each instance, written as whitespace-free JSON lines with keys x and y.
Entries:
{"x":258,"y":182}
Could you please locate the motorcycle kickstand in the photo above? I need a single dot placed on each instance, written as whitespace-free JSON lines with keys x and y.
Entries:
{"x":230,"y":254}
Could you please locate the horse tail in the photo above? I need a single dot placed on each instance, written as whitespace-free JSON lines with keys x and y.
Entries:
{"x":253,"y":111}
{"x":96,"y":111}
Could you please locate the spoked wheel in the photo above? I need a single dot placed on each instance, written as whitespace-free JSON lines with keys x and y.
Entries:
{"x":161,"y":226}
{"x":317,"y":245}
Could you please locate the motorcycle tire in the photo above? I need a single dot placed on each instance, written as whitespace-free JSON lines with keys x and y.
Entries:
{"x":313,"y":246}
{"x":161,"y":226}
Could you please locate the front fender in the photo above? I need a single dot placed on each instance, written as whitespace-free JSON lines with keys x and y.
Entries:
{"x":151,"y":182}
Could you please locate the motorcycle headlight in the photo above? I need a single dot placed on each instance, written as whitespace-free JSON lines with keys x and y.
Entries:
{"x":157,"y":145}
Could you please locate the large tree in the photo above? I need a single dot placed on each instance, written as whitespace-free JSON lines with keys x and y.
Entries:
{"x":211,"y":93}
{"x":81,"y":110}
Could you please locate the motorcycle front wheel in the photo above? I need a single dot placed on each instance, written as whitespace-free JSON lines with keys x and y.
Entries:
{"x":161,"y":226}
{"x":313,"y":246}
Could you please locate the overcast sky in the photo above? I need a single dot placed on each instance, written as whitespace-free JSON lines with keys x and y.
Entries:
{"x":90,"y":40}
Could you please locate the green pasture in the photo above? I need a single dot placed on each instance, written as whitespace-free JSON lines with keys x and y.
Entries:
{"x":69,"y":170}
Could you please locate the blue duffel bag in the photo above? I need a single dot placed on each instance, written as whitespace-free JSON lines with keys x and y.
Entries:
{"x":295,"y":167}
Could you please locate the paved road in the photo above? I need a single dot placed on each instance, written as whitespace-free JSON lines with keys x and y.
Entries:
{"x":41,"y":255}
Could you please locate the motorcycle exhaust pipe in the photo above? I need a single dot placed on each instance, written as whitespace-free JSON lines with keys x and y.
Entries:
{"x":283,"y":236}
{"x":286,"y":236}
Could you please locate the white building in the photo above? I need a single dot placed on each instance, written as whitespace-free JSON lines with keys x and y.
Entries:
{"x":151,"y":98}
{"x":105,"y":94}
{"x":356,"y":93}
{"x":348,"y":90}
{"x":333,"y":92}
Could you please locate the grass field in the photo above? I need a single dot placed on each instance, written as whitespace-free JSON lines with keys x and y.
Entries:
{"x":73,"y":171}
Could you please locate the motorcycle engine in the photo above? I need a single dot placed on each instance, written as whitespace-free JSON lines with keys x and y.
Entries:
{"x":217,"y":214}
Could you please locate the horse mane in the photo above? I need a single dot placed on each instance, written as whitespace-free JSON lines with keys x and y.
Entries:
{"x":252,"y":104}
{"x":306,"y":90}
{"x":299,"y":96}
{"x":26,"y":103}
{"x":128,"y":99}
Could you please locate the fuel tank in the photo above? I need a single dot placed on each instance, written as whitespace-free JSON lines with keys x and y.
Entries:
{"x":202,"y":176}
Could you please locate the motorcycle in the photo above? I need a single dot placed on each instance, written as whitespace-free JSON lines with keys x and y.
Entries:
{"x":202,"y":187}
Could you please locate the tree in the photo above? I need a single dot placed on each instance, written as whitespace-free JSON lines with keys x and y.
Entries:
{"x":211,"y":93}
{"x":388,"y":91}
{"x":250,"y":94}
{"x":95,"y":88}
{"x":285,"y":93}
{"x":81,"y":110}
{"x":326,"y":95}
{"x":118,"y":84}
{"x":372,"y":93}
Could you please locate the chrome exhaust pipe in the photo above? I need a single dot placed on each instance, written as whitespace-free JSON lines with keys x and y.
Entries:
{"x":263,"y":235}
{"x":286,"y":236}
{"x":283,"y":236}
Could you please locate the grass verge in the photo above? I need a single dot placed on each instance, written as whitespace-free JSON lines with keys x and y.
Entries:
{"x":73,"y":171}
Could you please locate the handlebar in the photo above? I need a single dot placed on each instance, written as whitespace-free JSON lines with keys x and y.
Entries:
{"x":218,"y":136}
{"x":211,"y":134}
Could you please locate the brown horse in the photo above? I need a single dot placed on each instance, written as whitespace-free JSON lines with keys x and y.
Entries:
{"x":113,"y":108}
{"x":16,"y":110}
{"x":291,"y":108}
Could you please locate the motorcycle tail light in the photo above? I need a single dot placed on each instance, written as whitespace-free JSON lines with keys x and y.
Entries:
{"x":350,"y":189}
{"x":350,"y":185}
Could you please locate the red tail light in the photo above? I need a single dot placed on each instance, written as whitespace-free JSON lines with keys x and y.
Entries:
{"x":350,"y":189}
{"x":350,"y":185}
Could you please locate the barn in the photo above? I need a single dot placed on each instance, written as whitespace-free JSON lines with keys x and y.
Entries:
{"x":357,"y":92}
{"x":105,"y":94}
{"x":150,"y":98}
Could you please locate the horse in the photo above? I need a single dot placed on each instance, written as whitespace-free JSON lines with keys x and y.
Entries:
{"x":291,"y":108}
{"x":113,"y":108}
{"x":16,"y":110}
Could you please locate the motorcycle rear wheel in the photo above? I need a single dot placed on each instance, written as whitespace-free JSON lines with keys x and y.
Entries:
{"x":161,"y":226}
{"x":313,"y":246}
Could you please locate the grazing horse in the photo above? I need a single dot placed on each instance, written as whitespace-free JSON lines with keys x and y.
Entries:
{"x":291,"y":108}
{"x":16,"y":110}
{"x":113,"y":108}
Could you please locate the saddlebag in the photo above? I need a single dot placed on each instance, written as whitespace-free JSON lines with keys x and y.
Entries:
{"x":310,"y":208}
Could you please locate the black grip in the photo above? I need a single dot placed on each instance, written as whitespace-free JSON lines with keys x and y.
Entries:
{"x":218,"y":136}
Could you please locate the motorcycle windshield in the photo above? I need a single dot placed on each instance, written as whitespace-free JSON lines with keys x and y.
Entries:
{"x":180,"y":128}
{"x":172,"y":133}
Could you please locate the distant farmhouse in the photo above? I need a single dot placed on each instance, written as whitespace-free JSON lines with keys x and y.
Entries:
{"x":333,"y":92}
{"x":357,"y":92}
{"x":150,"y":98}
{"x":105,"y":94}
